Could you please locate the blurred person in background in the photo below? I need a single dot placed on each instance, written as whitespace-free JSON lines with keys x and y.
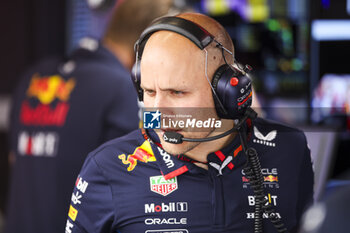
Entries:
{"x":64,"y":108}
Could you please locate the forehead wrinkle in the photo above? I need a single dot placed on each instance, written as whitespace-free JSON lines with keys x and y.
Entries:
{"x":172,"y":42}
{"x":172,"y":50}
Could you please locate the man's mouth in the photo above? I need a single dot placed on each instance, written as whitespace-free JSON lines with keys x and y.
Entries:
{"x":170,"y":129}
{"x":163,"y":130}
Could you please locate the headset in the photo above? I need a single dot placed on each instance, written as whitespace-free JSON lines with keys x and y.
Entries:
{"x":231,"y":86}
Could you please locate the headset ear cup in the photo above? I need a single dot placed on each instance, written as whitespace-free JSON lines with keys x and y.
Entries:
{"x":136,"y":80}
{"x":233,"y":90}
{"x":216,"y":78}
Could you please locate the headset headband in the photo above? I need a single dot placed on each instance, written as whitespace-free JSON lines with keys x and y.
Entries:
{"x":198,"y":35}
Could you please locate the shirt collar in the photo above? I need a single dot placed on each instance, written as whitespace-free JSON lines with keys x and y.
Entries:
{"x":226,"y":159}
{"x":231,"y":156}
{"x":171,"y":165}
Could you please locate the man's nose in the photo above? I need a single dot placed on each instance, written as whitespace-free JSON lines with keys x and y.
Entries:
{"x":160,"y":101}
{"x":165,"y":104}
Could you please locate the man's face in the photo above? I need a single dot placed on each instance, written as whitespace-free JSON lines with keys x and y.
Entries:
{"x":173,"y":77}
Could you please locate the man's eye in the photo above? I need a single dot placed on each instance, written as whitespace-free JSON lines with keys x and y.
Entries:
{"x":150,"y":92}
{"x":178,"y":93}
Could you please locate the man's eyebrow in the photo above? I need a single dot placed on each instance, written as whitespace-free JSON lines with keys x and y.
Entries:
{"x":164,"y":89}
{"x":172,"y":89}
{"x":144,"y":88}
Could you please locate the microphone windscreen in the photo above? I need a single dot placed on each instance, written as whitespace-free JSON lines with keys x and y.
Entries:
{"x":172,"y":137}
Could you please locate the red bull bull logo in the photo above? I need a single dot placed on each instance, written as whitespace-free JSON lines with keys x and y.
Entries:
{"x":142,"y":153}
{"x":48,"y":88}
{"x":271,"y":178}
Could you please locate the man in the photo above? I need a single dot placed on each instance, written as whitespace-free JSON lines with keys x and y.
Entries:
{"x":64,"y":109}
{"x":144,"y":182}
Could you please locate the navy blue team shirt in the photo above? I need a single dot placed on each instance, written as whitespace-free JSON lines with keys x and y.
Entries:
{"x":131,"y":185}
{"x":59,"y":115}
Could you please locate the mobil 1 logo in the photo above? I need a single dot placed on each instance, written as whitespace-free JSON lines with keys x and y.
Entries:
{"x":166,"y":207}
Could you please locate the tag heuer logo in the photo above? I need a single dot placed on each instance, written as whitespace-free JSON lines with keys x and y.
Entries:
{"x":161,"y":186}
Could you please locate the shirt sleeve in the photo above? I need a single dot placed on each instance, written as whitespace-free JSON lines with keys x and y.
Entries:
{"x":90,"y":209}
